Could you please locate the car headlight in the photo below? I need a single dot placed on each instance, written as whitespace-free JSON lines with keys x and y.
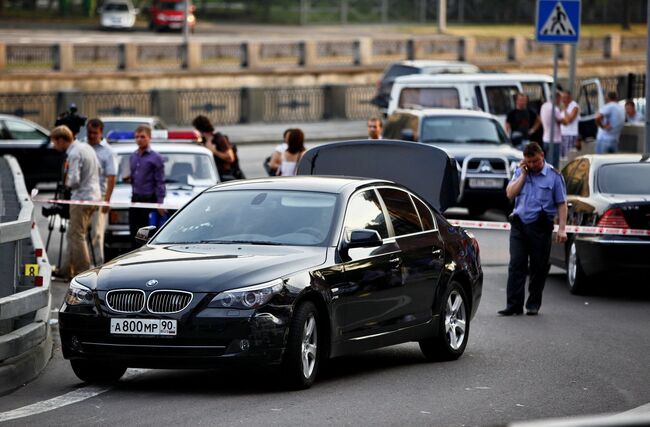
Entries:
{"x":247,"y":298}
{"x":514,"y":164}
{"x":78,"y":294}
{"x":161,"y":17}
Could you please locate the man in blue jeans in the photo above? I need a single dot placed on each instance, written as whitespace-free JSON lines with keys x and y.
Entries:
{"x":540,"y":195}
{"x":610,"y":120}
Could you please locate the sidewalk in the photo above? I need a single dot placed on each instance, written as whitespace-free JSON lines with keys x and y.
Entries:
{"x":260,"y":133}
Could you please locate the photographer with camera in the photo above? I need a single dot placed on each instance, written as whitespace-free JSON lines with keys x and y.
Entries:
{"x":81,"y":176}
{"x":71,"y":119}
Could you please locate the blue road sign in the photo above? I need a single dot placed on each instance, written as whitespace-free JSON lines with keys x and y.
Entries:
{"x":558,"y":21}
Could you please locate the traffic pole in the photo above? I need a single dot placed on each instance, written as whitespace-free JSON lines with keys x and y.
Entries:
{"x":551,"y":149}
{"x":647,"y":87}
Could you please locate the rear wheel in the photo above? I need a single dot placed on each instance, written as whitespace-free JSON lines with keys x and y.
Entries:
{"x":302,"y":355}
{"x":97,"y":372}
{"x":575,"y":274}
{"x":451,"y":340}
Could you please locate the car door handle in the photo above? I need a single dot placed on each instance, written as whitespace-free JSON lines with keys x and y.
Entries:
{"x":436,"y":252}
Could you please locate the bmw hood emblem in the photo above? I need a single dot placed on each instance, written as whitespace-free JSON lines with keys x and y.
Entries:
{"x":151,"y":283}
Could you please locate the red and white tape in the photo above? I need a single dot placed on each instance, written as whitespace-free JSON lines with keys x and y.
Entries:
{"x":576,"y":229}
{"x":484,"y":225}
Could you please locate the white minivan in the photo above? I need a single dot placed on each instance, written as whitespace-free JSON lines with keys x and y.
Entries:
{"x":492,"y":93}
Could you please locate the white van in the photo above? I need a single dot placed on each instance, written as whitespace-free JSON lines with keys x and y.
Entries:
{"x":492,"y":93}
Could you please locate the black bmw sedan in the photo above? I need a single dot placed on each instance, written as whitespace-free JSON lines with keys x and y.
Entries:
{"x":608,"y":191}
{"x":283,"y":271}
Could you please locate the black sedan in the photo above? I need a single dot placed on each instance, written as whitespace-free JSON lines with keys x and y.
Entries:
{"x":609,"y":191}
{"x":283,"y":271}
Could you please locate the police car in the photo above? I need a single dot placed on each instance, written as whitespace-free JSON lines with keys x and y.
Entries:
{"x":189,"y":169}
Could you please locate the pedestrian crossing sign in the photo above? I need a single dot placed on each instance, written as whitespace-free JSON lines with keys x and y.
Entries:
{"x":558,"y":21}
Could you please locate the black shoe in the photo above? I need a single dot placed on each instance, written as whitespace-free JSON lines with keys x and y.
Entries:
{"x":532,"y":311}
{"x":510,"y":312}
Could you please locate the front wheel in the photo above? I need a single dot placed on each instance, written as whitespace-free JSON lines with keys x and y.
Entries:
{"x":575,"y":274}
{"x":451,"y":340}
{"x":302,"y":354}
{"x":97,"y":372}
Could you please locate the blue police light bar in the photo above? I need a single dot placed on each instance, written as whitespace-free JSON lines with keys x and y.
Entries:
{"x":156,"y":135}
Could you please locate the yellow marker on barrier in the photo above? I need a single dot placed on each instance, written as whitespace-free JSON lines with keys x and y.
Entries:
{"x":31,"y":269}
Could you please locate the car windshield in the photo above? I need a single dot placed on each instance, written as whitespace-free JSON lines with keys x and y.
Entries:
{"x":263,"y":217}
{"x":475,"y":130}
{"x":172,"y":6}
{"x":624,"y":178}
{"x":180,"y":168}
{"x":116,"y":7}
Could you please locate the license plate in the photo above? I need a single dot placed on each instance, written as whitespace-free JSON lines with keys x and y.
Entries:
{"x":485,"y":183}
{"x":175,"y":26}
{"x":143,"y":327}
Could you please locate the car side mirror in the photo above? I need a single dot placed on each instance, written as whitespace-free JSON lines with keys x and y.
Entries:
{"x":144,"y":234}
{"x":364,"y":238}
{"x":408,"y":135}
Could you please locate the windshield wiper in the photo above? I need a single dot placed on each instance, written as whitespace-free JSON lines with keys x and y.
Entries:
{"x":242,"y":242}
{"x":438,"y":140}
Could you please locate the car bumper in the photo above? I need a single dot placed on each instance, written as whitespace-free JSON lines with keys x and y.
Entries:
{"x":614,"y":254}
{"x":207,"y":338}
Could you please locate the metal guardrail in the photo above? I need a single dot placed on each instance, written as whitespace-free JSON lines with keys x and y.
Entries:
{"x":25,"y":342}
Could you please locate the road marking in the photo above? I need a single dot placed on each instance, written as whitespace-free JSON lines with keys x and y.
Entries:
{"x":70,"y":398}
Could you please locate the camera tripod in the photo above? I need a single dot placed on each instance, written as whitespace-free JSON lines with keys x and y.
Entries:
{"x":63,"y":226}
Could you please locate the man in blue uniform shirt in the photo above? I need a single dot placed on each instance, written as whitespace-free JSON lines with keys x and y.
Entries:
{"x":540,"y":196}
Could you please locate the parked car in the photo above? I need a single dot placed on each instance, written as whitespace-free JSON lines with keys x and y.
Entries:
{"x":189,"y":169}
{"x":609,"y":191}
{"x":30,"y":144}
{"x":169,"y":14}
{"x":419,"y":66}
{"x":126,"y":123}
{"x":485,"y":156}
{"x":285,"y":271}
{"x":117,"y":14}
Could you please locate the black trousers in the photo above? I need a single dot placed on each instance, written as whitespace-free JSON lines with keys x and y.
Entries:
{"x":139,"y":217}
{"x":530,"y":248}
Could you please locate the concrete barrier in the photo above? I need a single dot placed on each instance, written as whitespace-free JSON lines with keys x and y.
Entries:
{"x":25,"y":337}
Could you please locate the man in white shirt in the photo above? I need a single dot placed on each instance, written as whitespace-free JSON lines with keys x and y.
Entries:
{"x":81,"y":175}
{"x":552,"y":116}
{"x":106,"y":158}
{"x":569,"y":126}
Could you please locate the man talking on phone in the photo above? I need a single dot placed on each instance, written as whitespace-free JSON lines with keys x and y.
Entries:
{"x":540,"y":195}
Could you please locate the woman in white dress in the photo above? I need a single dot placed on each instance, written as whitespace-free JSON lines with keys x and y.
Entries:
{"x":293,"y":153}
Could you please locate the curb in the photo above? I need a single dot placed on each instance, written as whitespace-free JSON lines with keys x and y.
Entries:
{"x":17,"y":371}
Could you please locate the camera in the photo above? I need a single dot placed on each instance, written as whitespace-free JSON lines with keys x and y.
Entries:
{"x":56,"y":209}
{"x":71,"y":119}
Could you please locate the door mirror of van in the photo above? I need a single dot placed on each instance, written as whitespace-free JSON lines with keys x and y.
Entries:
{"x":408,"y":135}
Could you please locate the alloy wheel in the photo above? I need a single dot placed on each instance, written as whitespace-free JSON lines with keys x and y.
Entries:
{"x":572,"y":266}
{"x":455,"y":320}
{"x":309,"y":346}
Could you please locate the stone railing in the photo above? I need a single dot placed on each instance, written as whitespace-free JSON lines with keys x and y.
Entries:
{"x":282,"y":54}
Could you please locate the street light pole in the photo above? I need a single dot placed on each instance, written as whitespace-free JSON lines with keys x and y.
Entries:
{"x":186,"y":24}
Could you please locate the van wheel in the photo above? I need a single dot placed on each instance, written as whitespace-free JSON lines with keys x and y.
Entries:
{"x":453,"y":332}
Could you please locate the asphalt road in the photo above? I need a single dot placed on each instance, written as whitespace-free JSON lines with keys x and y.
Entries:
{"x":581,"y":355}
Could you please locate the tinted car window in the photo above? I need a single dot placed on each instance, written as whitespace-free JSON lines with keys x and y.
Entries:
{"x":430,"y":97}
{"x":588,"y":99}
{"x":253,"y":216}
{"x":395,"y":71}
{"x":501,"y":99}
{"x":116,"y":7}
{"x":402,"y":213}
{"x":462,"y":130}
{"x":631,"y":178}
{"x":18,"y":130}
{"x":425,"y":215}
{"x":364,"y":211}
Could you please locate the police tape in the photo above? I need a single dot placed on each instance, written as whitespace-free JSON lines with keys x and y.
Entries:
{"x":480,"y":225}
{"x":574,"y":229}
{"x":100,"y":203}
